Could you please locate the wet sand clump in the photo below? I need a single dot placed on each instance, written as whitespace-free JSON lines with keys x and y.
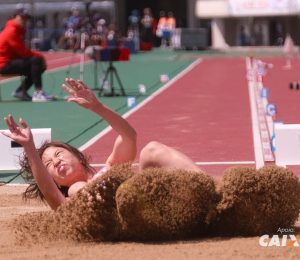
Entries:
{"x":162,"y":205}
{"x":257,"y":202}
{"x":90,"y":215}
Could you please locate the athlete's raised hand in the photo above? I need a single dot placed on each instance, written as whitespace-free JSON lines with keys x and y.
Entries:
{"x":20,"y":133}
{"x":81,"y":94}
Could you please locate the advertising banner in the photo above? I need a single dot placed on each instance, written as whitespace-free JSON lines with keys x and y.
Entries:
{"x":262,"y":7}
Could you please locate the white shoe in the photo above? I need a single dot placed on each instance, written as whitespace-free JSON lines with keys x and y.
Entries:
{"x":41,"y":96}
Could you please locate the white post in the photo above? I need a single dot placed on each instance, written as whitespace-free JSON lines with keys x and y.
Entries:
{"x":218,"y":40}
{"x":82,"y":47}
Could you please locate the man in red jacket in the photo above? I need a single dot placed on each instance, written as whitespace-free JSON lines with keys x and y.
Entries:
{"x":16,"y":58}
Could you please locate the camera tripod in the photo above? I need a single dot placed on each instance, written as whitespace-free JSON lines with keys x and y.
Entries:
{"x":111,"y":71}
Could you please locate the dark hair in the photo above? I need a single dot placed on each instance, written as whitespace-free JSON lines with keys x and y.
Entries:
{"x":33,"y":191}
{"x":23,"y":12}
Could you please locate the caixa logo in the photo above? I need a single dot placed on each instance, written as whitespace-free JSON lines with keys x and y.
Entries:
{"x":289,"y":240}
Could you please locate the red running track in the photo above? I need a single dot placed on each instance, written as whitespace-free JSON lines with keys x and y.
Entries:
{"x":286,"y":100}
{"x":277,"y":81}
{"x":205,"y":114}
{"x":56,"y":60}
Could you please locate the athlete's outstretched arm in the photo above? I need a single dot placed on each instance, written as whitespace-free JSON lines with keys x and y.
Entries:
{"x":124,"y":149}
{"x":22,"y":135}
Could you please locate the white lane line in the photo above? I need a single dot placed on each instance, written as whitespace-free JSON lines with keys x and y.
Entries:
{"x":225,"y":163}
{"x":143,"y":103}
{"x":9,"y":79}
{"x":198,"y":163}
{"x":263,"y":123}
{"x":257,"y":143}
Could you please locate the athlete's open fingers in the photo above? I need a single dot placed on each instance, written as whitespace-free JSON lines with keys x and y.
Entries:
{"x":23,"y":123}
{"x":82,"y":84}
{"x":74,"y":84}
{"x":69,"y":89}
{"x":10,"y":122}
{"x":7,"y":120}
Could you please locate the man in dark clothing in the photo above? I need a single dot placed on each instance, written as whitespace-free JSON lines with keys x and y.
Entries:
{"x":16,"y":58}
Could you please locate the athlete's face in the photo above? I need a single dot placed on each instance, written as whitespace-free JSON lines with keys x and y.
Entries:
{"x":63,"y":166}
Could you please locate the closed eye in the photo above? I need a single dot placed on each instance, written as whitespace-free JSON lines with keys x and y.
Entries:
{"x":57,"y":153}
{"x":47,"y":164}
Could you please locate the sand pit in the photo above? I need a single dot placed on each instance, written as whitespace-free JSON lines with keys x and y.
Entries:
{"x":90,"y":215}
{"x":12,"y":206}
{"x":165,"y":205}
{"x":257,"y":202}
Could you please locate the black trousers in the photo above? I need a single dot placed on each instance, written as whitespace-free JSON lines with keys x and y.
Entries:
{"x":31,"y":68}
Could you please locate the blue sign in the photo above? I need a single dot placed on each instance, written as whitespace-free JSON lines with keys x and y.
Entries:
{"x":273,"y":146}
{"x":271,"y":110}
{"x":273,"y":143}
{"x":131,"y":102}
{"x":264,"y":93}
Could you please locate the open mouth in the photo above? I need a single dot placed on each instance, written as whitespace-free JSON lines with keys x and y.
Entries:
{"x":61,"y":169}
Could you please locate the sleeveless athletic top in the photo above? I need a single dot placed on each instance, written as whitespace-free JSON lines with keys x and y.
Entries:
{"x":64,"y":190}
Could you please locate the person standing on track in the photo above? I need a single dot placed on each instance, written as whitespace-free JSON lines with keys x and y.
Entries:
{"x":16,"y":58}
{"x":57,"y":170}
{"x":289,"y":51}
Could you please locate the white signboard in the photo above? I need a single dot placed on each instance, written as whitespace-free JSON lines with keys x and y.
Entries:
{"x":287,"y":144}
{"x":11,"y":151}
{"x":262,"y":7}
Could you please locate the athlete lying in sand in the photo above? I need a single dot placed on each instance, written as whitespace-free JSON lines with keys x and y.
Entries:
{"x":57,"y":166}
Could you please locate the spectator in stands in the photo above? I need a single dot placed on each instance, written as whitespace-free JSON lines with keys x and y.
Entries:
{"x":146,"y":26}
{"x":113,"y":36}
{"x":72,"y":24}
{"x":102,"y":31}
{"x":133,"y":20}
{"x":243,"y":37}
{"x":258,"y":35}
{"x":171,"y":25}
{"x":165,"y":28}
{"x":279,"y":34}
{"x":74,"y":20}
{"x":161,"y":27}
{"x":16,"y":58}
{"x":133,"y":29}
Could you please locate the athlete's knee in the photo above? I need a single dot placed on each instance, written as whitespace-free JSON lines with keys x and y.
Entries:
{"x":39,"y":61}
{"x":152,"y":148}
{"x":36,"y":59}
{"x":151,"y":154}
